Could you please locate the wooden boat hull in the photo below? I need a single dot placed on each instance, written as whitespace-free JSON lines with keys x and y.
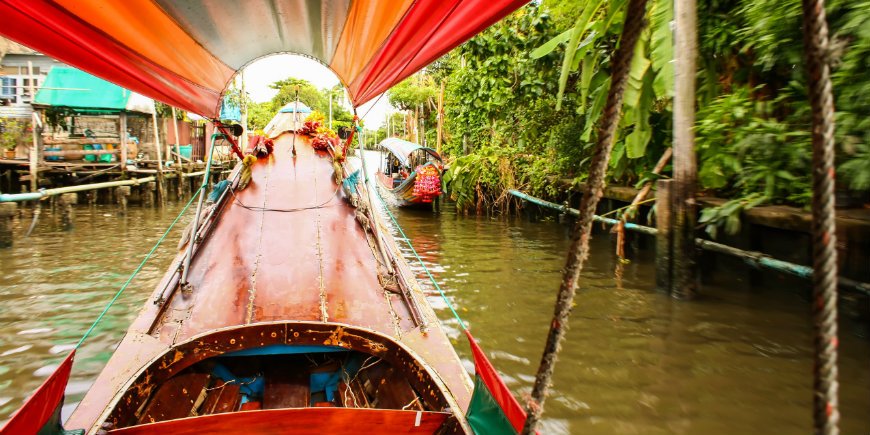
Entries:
{"x":300,"y":421}
{"x":403,"y":194}
{"x":284,"y":259}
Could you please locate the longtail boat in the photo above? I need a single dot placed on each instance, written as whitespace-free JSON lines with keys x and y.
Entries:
{"x":289,"y":307}
{"x":410,"y":174}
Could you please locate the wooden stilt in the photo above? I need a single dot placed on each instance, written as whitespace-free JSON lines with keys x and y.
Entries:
{"x":179,"y":168}
{"x":664,"y":238}
{"x":148,"y":194}
{"x":122,"y":194}
{"x":8,"y":210}
{"x":67,"y":214}
{"x":161,"y":188}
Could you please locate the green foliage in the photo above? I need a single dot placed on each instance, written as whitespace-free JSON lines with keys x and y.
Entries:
{"x":857,"y":170}
{"x":727,"y":215}
{"x":530,"y":91}
{"x":417,"y":90}
{"x":743,"y":149}
{"x":259,"y":115}
{"x":316,"y":99}
{"x":12,"y":133}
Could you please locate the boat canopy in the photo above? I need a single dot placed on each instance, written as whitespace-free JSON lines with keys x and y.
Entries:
{"x":83,"y":93}
{"x":186,"y":52}
{"x":402,"y":149}
{"x":291,"y":108}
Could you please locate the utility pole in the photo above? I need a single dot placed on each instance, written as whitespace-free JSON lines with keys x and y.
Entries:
{"x":330,"y":109}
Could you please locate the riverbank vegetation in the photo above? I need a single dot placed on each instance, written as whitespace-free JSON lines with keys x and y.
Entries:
{"x":522,"y":101}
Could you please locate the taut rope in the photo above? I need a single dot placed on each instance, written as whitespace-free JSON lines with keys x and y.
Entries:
{"x":826,"y":415}
{"x":634,"y":24}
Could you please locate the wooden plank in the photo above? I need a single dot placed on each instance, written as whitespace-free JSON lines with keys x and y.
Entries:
{"x":287,"y":386}
{"x":304,"y":421}
{"x":176,"y":398}
{"x":229,"y":400}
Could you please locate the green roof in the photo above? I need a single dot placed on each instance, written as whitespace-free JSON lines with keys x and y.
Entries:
{"x":82,"y":92}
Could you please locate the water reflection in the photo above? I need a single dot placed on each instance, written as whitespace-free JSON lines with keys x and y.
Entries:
{"x":635,"y":361}
{"x":56,"y":282}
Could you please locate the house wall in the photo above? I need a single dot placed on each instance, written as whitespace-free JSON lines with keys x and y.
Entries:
{"x":14,"y":82}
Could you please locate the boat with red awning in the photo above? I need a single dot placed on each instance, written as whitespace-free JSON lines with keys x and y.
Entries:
{"x":410,"y":174}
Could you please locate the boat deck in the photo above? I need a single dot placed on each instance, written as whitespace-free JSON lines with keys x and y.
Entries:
{"x":287,"y":247}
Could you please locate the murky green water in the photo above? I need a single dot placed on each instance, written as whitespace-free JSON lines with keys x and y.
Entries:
{"x":635,"y":362}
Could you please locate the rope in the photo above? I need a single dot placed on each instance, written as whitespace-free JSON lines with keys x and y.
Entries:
{"x":634,"y":24}
{"x":138,"y":269}
{"x":417,"y":256}
{"x":826,"y":415}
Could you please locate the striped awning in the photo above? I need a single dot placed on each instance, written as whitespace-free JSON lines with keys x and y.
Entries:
{"x":185,"y":52}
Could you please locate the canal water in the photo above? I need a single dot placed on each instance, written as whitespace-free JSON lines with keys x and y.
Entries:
{"x":737,"y":360}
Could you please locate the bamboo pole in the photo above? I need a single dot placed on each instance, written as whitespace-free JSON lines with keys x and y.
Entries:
{"x":440,"y":119}
{"x":185,"y":286}
{"x":641,"y":195}
{"x":755,"y":259}
{"x":685,"y":165}
{"x":36,"y":127}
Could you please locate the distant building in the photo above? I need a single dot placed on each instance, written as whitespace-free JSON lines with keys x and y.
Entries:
{"x":15,"y":79}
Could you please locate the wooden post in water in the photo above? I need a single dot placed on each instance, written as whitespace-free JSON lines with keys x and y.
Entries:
{"x":122,"y":126}
{"x":179,"y":169}
{"x":122,"y":193}
{"x":664,"y":238}
{"x":440,"y":119}
{"x":65,"y":203}
{"x":7,"y":211}
{"x":161,"y":188}
{"x":148,"y":193}
{"x":685,"y":167}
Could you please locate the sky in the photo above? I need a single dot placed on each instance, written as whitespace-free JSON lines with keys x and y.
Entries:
{"x":262,"y":73}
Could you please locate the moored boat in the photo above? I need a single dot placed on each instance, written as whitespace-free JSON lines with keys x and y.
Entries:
{"x":410,"y":174}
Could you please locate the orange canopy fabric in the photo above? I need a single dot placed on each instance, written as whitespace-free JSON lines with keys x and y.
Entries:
{"x":185,"y":52}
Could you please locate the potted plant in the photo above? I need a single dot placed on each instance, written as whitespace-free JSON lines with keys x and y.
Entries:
{"x":10,"y":135}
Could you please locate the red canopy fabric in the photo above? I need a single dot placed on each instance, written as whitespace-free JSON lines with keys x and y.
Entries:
{"x":185,"y":52}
